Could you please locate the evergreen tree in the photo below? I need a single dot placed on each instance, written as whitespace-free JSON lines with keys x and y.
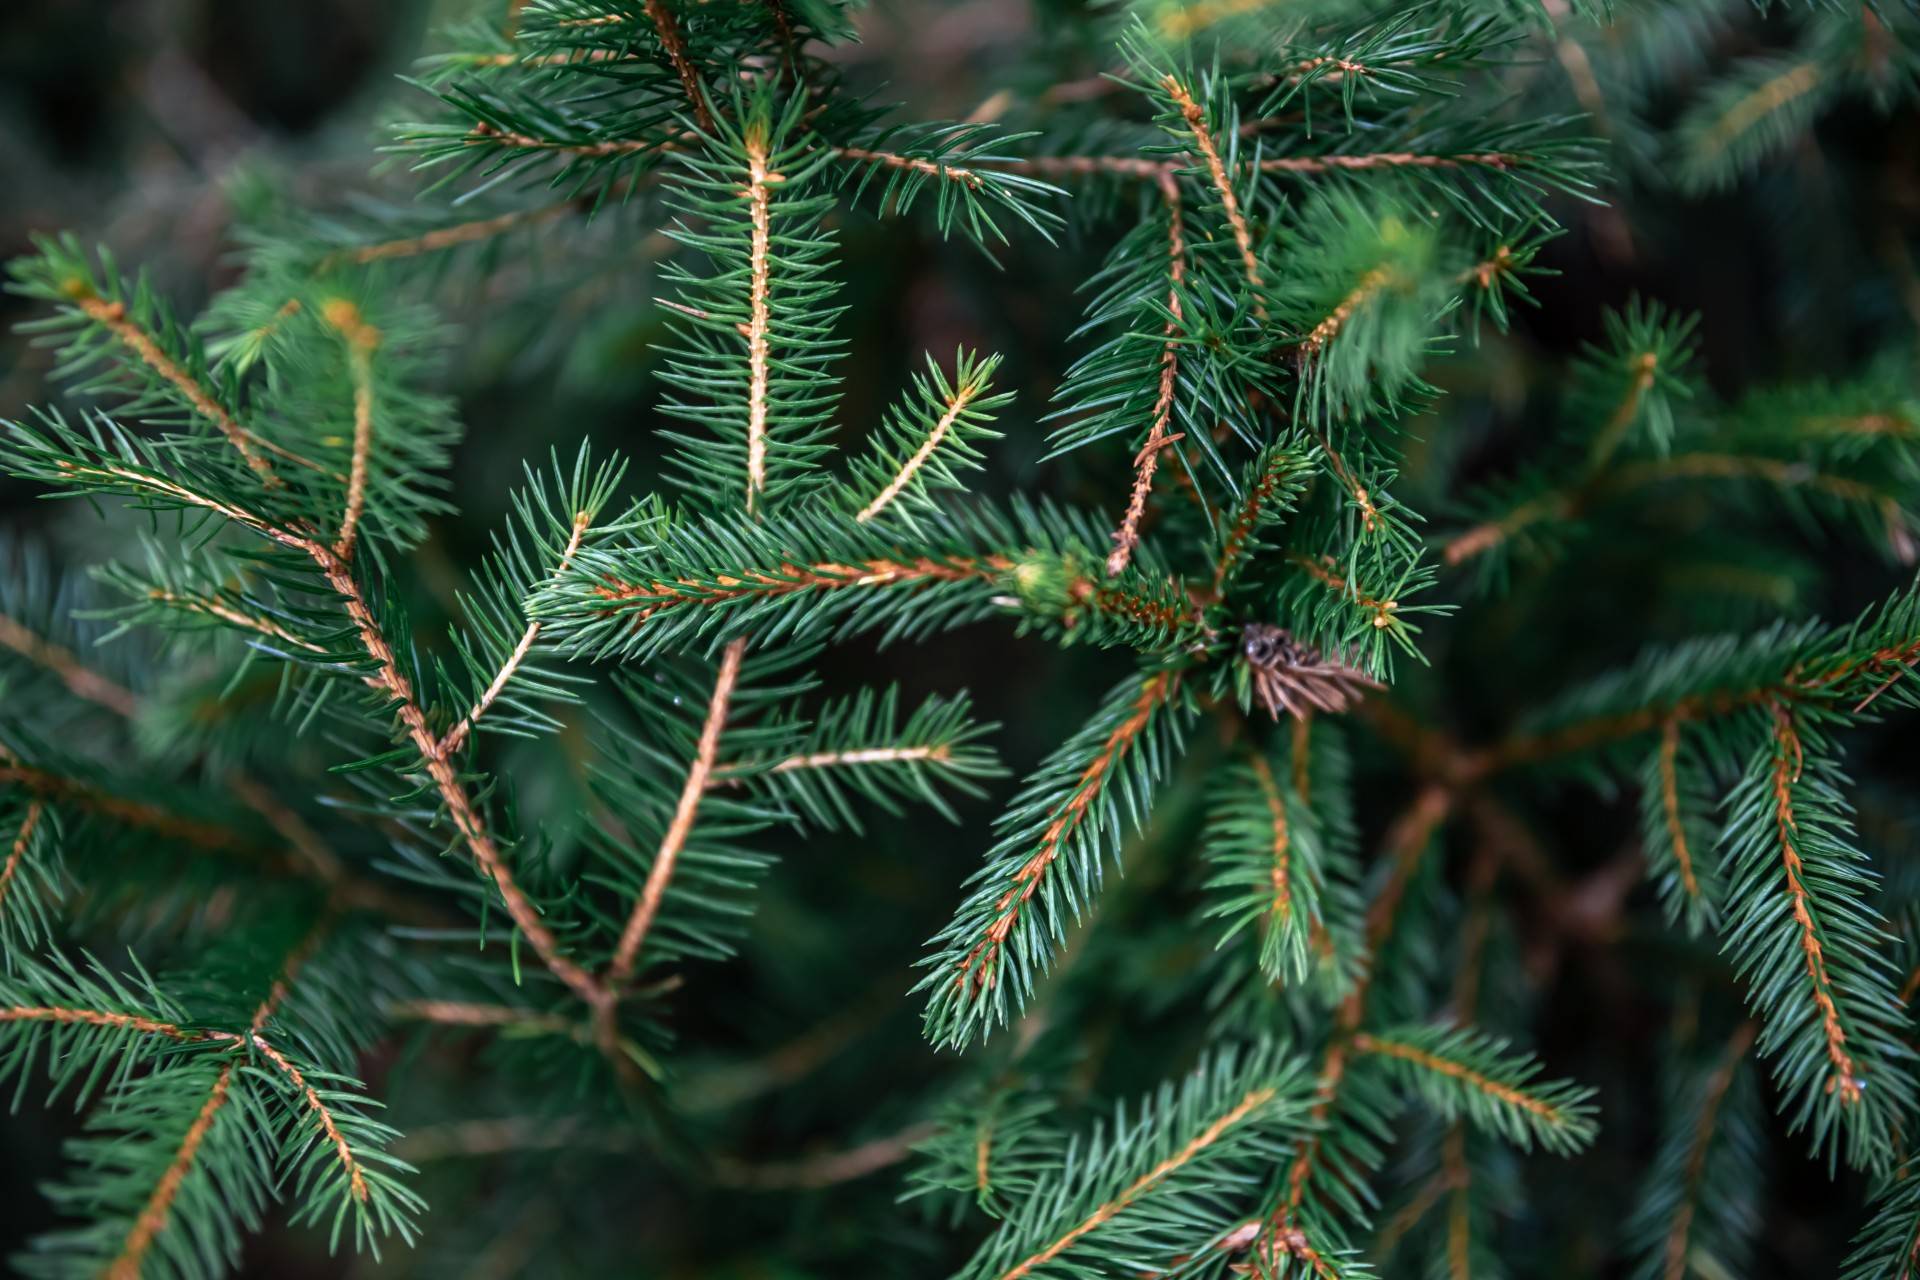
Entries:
{"x":551,"y":923}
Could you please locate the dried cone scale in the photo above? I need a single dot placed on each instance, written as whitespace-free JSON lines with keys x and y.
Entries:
{"x":1293,"y":678}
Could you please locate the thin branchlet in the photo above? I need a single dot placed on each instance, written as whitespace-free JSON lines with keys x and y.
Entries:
{"x":1147,"y":460}
{"x":685,"y":812}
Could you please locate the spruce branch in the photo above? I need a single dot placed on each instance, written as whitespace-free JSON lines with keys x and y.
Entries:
{"x":921,"y":449}
{"x":361,"y":340}
{"x":1135,"y":1192}
{"x":698,"y":773}
{"x":1674,"y":808}
{"x":1147,"y":460}
{"x":858,"y":748}
{"x":44,"y":452}
{"x":1802,"y":937}
{"x":1272,"y":489}
{"x":29,"y":883}
{"x":674,"y":45}
{"x":114,"y":317}
{"x":1222,"y":182}
{"x":1465,"y":1074}
{"x":460,"y":806}
{"x":81,"y":680}
{"x":962,"y":164}
{"x":470,"y":231}
{"x":1747,"y":115}
{"x":1408,"y":840}
{"x":141,"y":814}
{"x":455,"y":737}
{"x":758,"y":178}
{"x":1265,"y":843}
{"x":1044,"y":870}
{"x":1693,"y":1205}
{"x":155,"y":1213}
{"x":754,"y":339}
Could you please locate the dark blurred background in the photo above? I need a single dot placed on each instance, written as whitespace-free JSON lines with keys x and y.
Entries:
{"x":144,"y":125}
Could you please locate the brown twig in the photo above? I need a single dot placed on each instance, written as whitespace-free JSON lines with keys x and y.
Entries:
{"x":453,"y":793}
{"x":80,"y":679}
{"x":212,"y":608}
{"x":1247,"y":1105}
{"x":458,"y":734}
{"x":978,"y":968}
{"x":1716,"y":1091}
{"x":1475,"y":1080}
{"x":1407,"y":841}
{"x":1322,"y":571}
{"x":1147,"y":461}
{"x":29,"y":822}
{"x":824,"y":1170}
{"x":112,"y":316}
{"x":153,"y":1216}
{"x":790,"y":578}
{"x":1795,"y":82}
{"x":932,"y":168}
{"x":361,"y":339}
{"x":759,"y":213}
{"x":323,"y":1118}
{"x":453,"y":1013}
{"x":1330,"y":326}
{"x":1846,"y":1081}
{"x":1369,"y":513}
{"x":451,"y":237}
{"x":134,"y":813}
{"x":96,"y":1018}
{"x":665,"y":858}
{"x":732,"y":774}
{"x":1281,"y":879}
{"x":484,"y":134}
{"x":675,"y":46}
{"x":1196,"y":119}
{"x":956,"y":405}
{"x":1670,"y":806}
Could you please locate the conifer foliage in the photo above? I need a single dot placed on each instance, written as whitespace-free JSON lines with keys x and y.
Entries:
{"x":276,"y":833}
